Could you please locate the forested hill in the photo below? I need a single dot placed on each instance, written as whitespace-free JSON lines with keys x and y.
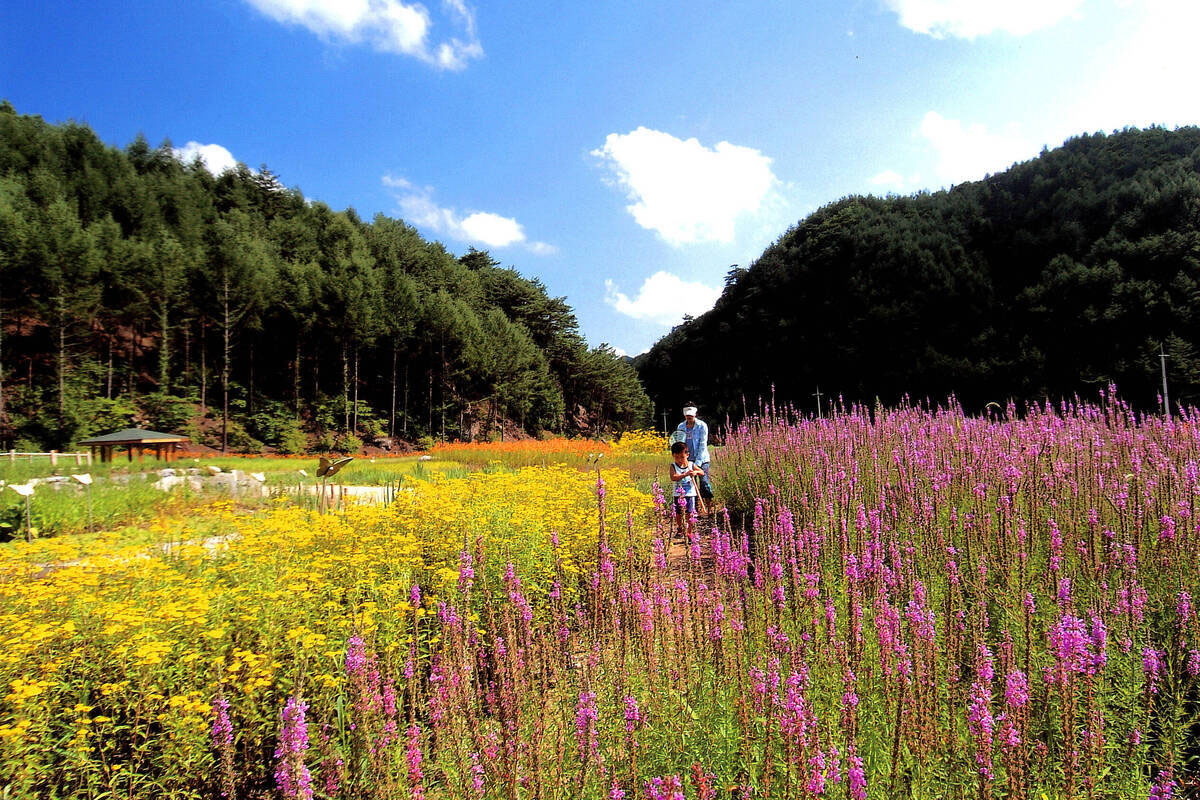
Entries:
{"x":138,"y":289}
{"x":1053,"y":278}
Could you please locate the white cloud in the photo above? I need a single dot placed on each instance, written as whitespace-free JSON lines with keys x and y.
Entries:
{"x":392,"y":26}
{"x":1147,"y":79}
{"x":417,"y":206}
{"x":215,"y":157}
{"x":493,"y":229}
{"x":967,"y":19}
{"x":542,"y":249}
{"x":968,"y":152}
{"x":891,"y":180}
{"x":684,"y":191}
{"x":663,"y":298}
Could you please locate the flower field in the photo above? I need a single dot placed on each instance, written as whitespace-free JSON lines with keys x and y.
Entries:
{"x":911,"y":603}
{"x":629,"y":446}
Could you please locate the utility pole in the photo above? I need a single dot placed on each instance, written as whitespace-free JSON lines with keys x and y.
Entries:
{"x":817,"y":394}
{"x":1162,"y":354}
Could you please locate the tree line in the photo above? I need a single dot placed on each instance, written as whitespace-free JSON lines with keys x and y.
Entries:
{"x":1055,"y":278}
{"x":136,"y":288}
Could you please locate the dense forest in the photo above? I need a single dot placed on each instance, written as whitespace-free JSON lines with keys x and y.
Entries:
{"x":136,"y":289}
{"x":1053,"y":279}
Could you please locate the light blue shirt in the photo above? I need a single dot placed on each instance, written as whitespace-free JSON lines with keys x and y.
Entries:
{"x":696,"y":438}
{"x":684,"y":487}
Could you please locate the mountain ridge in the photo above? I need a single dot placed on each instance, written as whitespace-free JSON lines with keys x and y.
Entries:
{"x":1056,"y":277}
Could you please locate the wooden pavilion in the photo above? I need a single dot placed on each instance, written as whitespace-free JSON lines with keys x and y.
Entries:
{"x":135,"y":439}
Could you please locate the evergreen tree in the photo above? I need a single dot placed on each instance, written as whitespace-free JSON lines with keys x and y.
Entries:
{"x":126,"y":275}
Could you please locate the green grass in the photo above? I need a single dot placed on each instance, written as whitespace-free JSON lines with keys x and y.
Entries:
{"x":140,"y":533}
{"x":124,"y":494}
{"x":134,"y":501}
{"x":114,"y":505}
{"x":363,"y":471}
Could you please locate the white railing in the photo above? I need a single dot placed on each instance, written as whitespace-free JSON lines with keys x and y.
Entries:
{"x":53,"y":455}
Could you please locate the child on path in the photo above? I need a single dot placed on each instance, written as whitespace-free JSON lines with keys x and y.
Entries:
{"x":683,"y":473}
{"x":694,"y":432}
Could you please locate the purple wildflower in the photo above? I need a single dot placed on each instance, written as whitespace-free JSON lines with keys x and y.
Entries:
{"x":222,"y":728}
{"x":413,"y":757}
{"x":476,"y":774}
{"x":633,"y":716}
{"x":667,"y":788}
{"x":1064,"y":591}
{"x":1152,"y":665}
{"x":1069,"y":644}
{"x":1164,"y":786}
{"x":585,"y":725}
{"x":222,"y":740}
{"x":291,"y":775}
{"x":1099,"y":644}
{"x":1016,"y":689}
{"x":982,"y":726}
{"x":856,"y":780}
{"x":466,"y":571}
{"x":356,"y":655}
{"x":1183,"y":607}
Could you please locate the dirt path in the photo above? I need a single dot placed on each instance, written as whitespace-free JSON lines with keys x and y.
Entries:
{"x":677,"y":551}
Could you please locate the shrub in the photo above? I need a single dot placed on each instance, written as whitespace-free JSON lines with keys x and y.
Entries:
{"x":192,"y":431}
{"x":240,"y":441}
{"x":350,"y":443}
{"x":371,"y":428}
{"x":271,"y":422}
{"x":167,"y":413}
{"x":99,"y":415}
{"x":27,"y":445}
{"x":291,"y":439}
{"x":324,"y":443}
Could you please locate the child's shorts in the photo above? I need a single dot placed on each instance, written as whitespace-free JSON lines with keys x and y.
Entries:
{"x":685,"y":504}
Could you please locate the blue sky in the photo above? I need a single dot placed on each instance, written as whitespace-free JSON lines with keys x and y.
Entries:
{"x":625,"y":153}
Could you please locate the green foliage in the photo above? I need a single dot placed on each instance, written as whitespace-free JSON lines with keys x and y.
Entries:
{"x":271,"y":421}
{"x":324,"y":416}
{"x":324,"y":443}
{"x":26,"y":445}
{"x":1056,"y":277}
{"x":349,"y":443}
{"x":100,"y":415}
{"x":240,"y":440}
{"x":166,"y":413}
{"x":291,"y":439}
{"x":63,"y":510}
{"x":192,"y":431}
{"x":371,"y":428}
{"x":133,"y":275}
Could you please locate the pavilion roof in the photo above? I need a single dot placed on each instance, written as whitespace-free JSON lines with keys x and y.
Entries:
{"x":135,"y":436}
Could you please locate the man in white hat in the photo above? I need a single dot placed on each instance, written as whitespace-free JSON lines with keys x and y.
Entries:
{"x":695,"y":434}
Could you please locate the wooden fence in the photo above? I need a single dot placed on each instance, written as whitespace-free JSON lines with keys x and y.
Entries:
{"x":53,"y":455}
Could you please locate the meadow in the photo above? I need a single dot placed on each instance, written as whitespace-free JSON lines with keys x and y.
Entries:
{"x":123,"y":494}
{"x":893,"y":603}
